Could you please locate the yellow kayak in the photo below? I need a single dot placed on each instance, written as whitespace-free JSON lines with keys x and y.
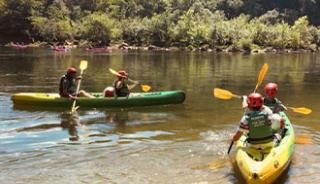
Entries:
{"x":265,"y":166}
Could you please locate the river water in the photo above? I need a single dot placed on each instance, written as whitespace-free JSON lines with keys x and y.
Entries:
{"x":184,"y":143}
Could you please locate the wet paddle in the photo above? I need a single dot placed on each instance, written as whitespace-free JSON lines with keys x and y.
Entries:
{"x":262,"y":73}
{"x":144,"y":87}
{"x":303,"y":139}
{"x":227,"y":95}
{"x":83,"y":66}
{"x":301,"y":110}
{"x":224,"y":94}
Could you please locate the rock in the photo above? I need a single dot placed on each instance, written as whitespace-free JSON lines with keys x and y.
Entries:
{"x":123,"y":46}
{"x":153,"y":47}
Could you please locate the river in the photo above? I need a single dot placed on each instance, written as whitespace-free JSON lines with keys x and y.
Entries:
{"x":159,"y":144}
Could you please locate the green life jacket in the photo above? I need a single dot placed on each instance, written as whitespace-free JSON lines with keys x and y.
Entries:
{"x":123,"y":90}
{"x":259,"y":128}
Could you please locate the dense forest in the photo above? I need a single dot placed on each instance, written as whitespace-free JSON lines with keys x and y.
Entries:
{"x":214,"y":24}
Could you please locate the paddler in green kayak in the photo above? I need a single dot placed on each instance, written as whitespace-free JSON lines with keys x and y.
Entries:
{"x":257,"y":122}
{"x":271,"y":90}
{"x":68,"y":87}
{"x":121,"y":84}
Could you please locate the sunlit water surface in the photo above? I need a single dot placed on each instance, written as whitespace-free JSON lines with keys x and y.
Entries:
{"x":184,"y":143}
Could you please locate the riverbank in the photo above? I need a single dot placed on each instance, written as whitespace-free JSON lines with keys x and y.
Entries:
{"x":125,"y":46}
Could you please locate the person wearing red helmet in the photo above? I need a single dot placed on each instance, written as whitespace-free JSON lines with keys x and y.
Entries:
{"x":68,"y":86}
{"x":257,"y":122}
{"x":271,"y":90}
{"x":121,"y":84}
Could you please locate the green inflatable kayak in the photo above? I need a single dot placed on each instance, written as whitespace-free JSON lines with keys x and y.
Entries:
{"x":134,"y":99}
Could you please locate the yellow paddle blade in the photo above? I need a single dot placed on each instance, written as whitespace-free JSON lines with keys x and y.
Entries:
{"x":224,"y":94}
{"x":145,"y":88}
{"x":113,"y":71}
{"x":262,"y":73}
{"x":83,"y":64}
{"x":303,"y":139}
{"x":302,"y":110}
{"x":74,"y":109}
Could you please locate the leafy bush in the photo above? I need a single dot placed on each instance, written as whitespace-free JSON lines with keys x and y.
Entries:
{"x":99,"y":26}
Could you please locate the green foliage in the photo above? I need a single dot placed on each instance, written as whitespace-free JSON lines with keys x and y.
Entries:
{"x":99,"y":26}
{"x":159,"y":29}
{"x":134,"y":31}
{"x":301,"y":36}
{"x":14,"y":15}
{"x":233,"y":24}
{"x":57,"y":10}
{"x":193,"y":28}
{"x":51,"y":30}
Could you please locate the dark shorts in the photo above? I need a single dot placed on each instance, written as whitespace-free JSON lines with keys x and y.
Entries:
{"x":67,"y":95}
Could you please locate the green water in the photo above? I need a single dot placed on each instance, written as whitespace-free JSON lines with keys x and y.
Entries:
{"x":160,"y":144}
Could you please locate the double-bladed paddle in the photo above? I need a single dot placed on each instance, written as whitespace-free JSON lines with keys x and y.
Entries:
{"x":83,"y":66}
{"x":144,"y":87}
{"x":227,"y":95}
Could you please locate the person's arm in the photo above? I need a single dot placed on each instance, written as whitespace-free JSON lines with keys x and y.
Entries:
{"x":118,"y":84}
{"x":243,"y":128}
{"x":237,"y":135}
{"x":135,"y":83}
{"x":283,"y":107}
{"x":244,"y":101}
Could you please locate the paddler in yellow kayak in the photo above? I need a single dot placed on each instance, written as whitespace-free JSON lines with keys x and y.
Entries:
{"x":257,"y":122}
{"x":271,"y":90}
{"x":68,"y":87}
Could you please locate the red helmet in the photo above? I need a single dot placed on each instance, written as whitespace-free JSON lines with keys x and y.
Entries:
{"x":71,"y":70}
{"x":271,"y":89}
{"x":108,"y":92}
{"x":255,"y":100}
{"x":122,"y":74}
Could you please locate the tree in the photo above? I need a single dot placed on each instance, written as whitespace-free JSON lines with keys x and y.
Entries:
{"x":99,"y":27}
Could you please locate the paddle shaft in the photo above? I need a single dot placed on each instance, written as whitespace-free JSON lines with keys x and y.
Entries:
{"x":77,"y":91}
{"x":229,"y":149}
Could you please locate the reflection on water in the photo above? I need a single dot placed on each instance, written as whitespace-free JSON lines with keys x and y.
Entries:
{"x":70,"y":121}
{"x":177,"y":143}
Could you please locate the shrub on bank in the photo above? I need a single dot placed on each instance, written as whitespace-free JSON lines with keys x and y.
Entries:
{"x":222,"y":24}
{"x":98,"y":26}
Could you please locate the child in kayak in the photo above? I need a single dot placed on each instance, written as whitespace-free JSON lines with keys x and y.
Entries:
{"x":121,"y":84}
{"x":68,"y":87}
{"x":271,"y":90}
{"x":257,"y":123}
